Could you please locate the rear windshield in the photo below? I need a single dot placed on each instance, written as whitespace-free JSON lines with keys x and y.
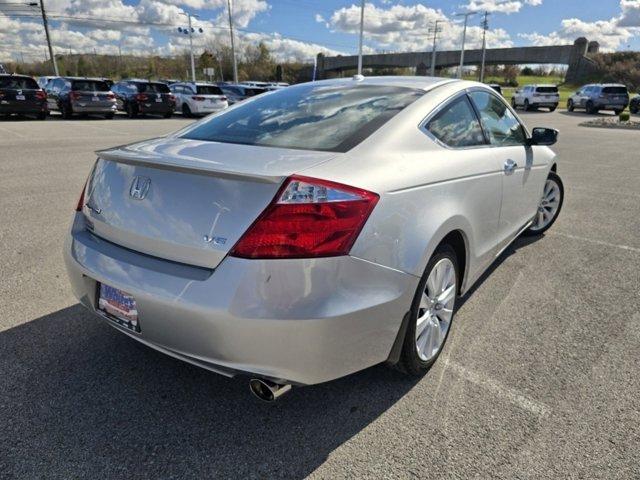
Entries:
{"x":309,"y":117}
{"x":153,"y":88}
{"x":547,"y":89}
{"x":208,"y":90}
{"x":233,"y":90}
{"x":89,"y":86}
{"x":618,"y":90}
{"x":20,"y":83}
{"x":253,"y":91}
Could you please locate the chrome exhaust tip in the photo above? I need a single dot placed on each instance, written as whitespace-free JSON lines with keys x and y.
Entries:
{"x":267,"y":391}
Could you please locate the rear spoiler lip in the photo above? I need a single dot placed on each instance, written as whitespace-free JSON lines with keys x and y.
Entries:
{"x":125,"y":155}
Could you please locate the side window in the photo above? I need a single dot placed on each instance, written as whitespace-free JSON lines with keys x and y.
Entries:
{"x":500,"y":125}
{"x":456,"y":125}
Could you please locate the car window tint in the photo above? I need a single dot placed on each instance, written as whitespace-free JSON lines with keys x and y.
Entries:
{"x":456,"y":125}
{"x":153,"y":88}
{"x":209,"y":90}
{"x":310,"y":116}
{"x":19,"y":83}
{"x":615,"y":90}
{"x":547,"y":89}
{"x":89,"y":86}
{"x":502,"y":127}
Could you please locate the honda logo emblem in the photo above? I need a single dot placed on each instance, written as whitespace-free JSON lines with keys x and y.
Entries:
{"x":139,"y":187}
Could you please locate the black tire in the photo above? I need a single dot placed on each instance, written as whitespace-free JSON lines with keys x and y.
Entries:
{"x":186,"y":111}
{"x":132,"y":110}
{"x":513,"y":103}
{"x":109,"y":116}
{"x":410,"y":362}
{"x":617,"y":112}
{"x":168,"y":115}
{"x":42,"y":116}
{"x":526,"y":105}
{"x":552,"y":109}
{"x":66,"y":111}
{"x":556,"y":178}
{"x":591,"y":110}
{"x":570,"y":106}
{"x":633,"y":108}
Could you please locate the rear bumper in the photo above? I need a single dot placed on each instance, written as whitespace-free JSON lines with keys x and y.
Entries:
{"x":155,"y":109}
{"x":23,"y":108}
{"x":88,"y":108}
{"x":545,"y":104}
{"x":206,"y":109}
{"x":296,"y":321}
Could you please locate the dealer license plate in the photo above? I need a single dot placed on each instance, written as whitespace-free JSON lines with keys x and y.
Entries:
{"x":120,"y":306}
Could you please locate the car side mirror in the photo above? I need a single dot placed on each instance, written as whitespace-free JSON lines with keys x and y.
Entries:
{"x":543,"y":136}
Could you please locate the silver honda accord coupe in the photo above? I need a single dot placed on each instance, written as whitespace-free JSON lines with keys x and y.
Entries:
{"x":314,"y":231}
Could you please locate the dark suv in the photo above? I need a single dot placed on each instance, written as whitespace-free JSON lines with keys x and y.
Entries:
{"x":601,"y":96}
{"x":141,"y":97}
{"x":72,"y":95}
{"x":21,"y":95}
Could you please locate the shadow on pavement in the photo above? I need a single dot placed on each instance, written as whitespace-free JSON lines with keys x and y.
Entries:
{"x":80,"y":400}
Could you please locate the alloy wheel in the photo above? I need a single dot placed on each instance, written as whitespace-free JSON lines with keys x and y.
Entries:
{"x":436,"y":309}
{"x":548,"y":207}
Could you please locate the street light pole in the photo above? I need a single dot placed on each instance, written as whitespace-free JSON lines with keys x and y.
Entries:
{"x":361,"y":34}
{"x":485,"y":26}
{"x":464,"y":37}
{"x":233,"y":48}
{"x":46,"y":31}
{"x":433,"y":51}
{"x":193,"y":63}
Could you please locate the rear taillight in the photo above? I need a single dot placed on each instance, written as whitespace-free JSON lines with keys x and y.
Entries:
{"x":223,"y":99}
{"x":198,"y":99}
{"x":41,"y":95}
{"x":111,"y":96}
{"x":172,"y":98}
{"x":308,"y":218}
{"x":81,"y":199}
{"x":74,"y":95}
{"x":141,"y":97}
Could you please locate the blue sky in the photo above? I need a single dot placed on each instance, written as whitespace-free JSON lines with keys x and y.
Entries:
{"x":299,"y":29}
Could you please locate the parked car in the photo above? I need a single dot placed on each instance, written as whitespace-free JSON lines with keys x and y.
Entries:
{"x":237,"y":93}
{"x":255,"y":84}
{"x":634,"y":104}
{"x":2,"y":69}
{"x":142,"y":97}
{"x":199,"y":98}
{"x":532,"y":97}
{"x":20,"y":94}
{"x":84,"y":96}
{"x":496,"y":87}
{"x":601,"y":96}
{"x":312,"y":232}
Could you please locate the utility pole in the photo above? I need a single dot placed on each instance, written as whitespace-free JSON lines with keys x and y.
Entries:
{"x":464,"y":37}
{"x":436,"y":30}
{"x":361,"y":34}
{"x":485,"y":26}
{"x":233,"y":48}
{"x":46,"y":31}
{"x":193,"y":63}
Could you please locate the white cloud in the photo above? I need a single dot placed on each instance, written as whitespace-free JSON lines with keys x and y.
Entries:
{"x":406,"y":28}
{"x":502,"y":6}
{"x":630,"y":16}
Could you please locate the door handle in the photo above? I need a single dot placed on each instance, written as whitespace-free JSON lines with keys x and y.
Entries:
{"x":510,"y":166}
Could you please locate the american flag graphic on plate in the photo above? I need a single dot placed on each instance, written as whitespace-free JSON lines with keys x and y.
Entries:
{"x":120,"y":305}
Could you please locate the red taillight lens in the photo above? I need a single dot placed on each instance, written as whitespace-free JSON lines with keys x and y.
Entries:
{"x":74,"y":95}
{"x":224,"y":99}
{"x":172,"y":98}
{"x":111,"y":96}
{"x":198,"y":99}
{"x":308,"y":218}
{"x":41,"y":95}
{"x":141,"y":97}
{"x":81,"y":199}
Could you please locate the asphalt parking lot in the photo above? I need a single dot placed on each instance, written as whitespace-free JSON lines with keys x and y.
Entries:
{"x":539,"y":378}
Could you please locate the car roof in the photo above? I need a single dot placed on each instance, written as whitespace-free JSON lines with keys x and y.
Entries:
{"x":542,"y":85}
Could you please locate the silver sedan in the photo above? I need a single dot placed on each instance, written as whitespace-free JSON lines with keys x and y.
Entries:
{"x":314,"y":231}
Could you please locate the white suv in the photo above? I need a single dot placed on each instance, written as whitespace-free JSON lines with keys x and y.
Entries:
{"x":531,"y":97}
{"x":198,"y":98}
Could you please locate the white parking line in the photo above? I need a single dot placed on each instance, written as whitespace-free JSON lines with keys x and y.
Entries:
{"x":11,"y":132}
{"x":597,"y":242}
{"x":509,"y":394}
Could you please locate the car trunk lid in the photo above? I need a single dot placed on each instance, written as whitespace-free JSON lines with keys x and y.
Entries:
{"x":185,"y":200}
